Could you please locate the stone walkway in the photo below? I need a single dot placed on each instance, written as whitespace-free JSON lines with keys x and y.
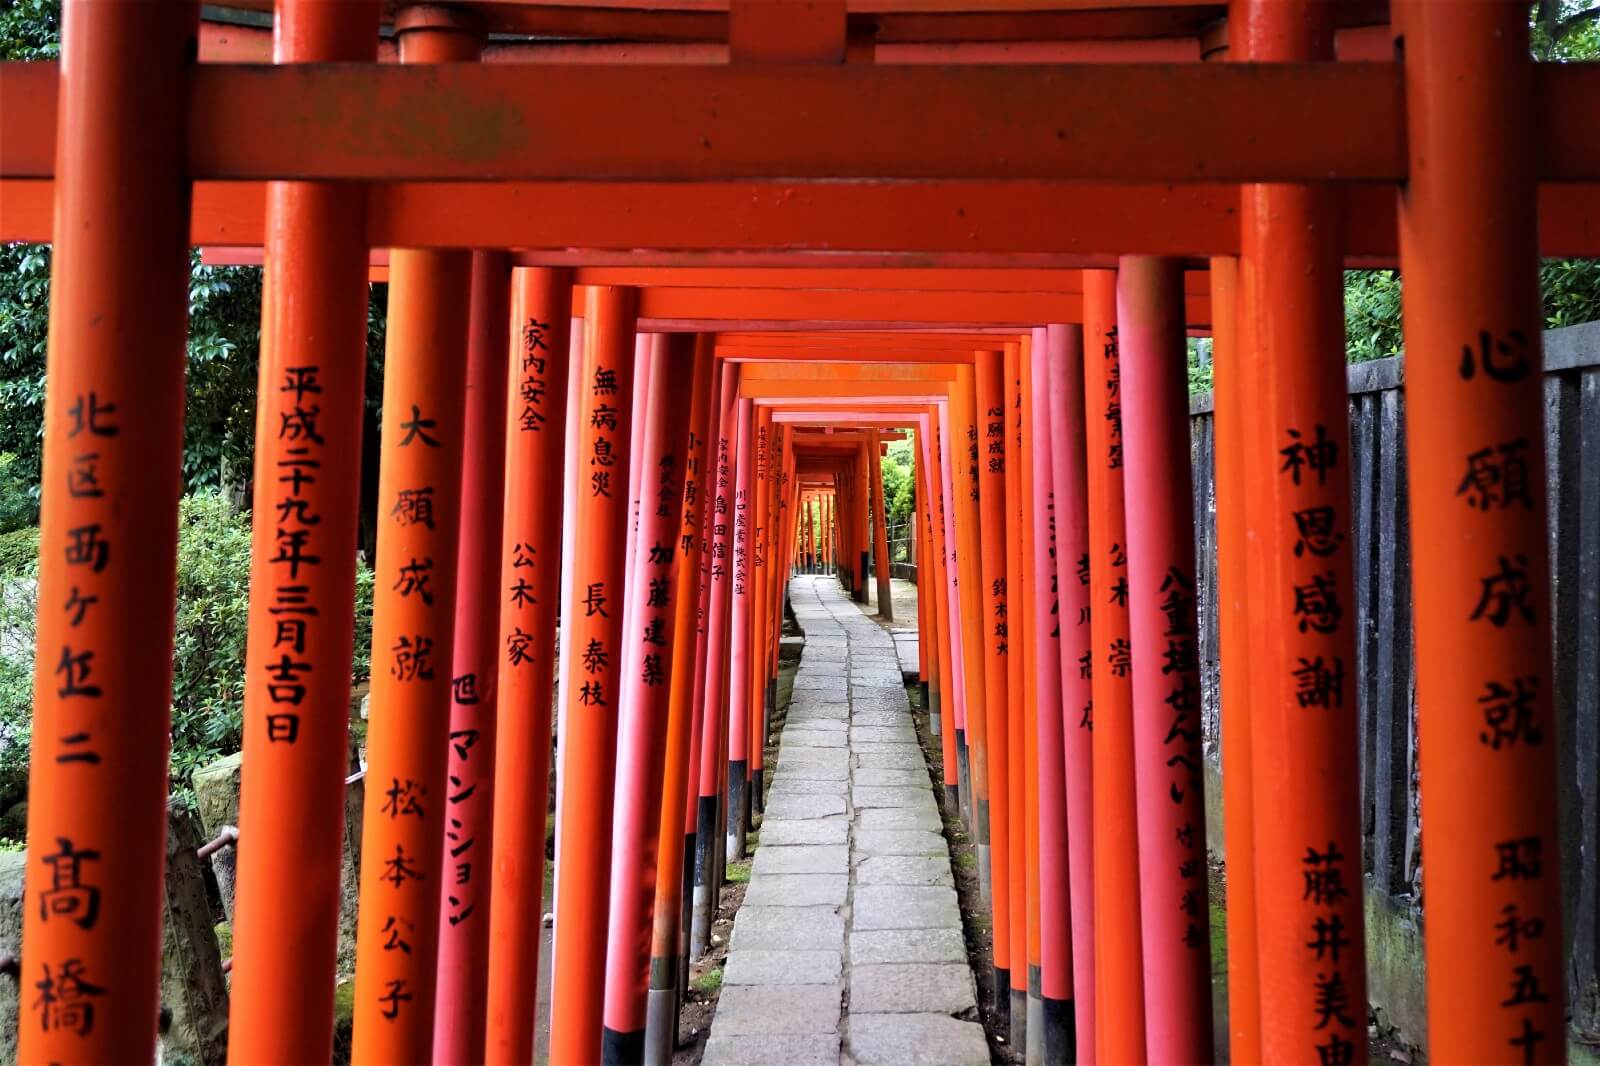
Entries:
{"x":848,"y":947}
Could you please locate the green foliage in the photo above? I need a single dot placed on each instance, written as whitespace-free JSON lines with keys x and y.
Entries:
{"x":707,"y":983}
{"x":30,"y":29}
{"x":209,"y":638}
{"x":899,"y":487}
{"x":1200,"y":365}
{"x":213,"y":613}
{"x":18,"y":508}
{"x":18,"y":604}
{"x":1371,"y":314}
{"x":1571,"y":291}
{"x":1564,"y":30}
{"x":19,"y":551}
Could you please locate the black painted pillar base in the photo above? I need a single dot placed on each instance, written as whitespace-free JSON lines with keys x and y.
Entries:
{"x":1060,"y":1031}
{"x":738,"y":807}
{"x":621,"y":1049}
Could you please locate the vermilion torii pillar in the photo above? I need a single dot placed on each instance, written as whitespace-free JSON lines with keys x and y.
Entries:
{"x":1119,"y":954}
{"x":528,"y":597}
{"x":113,"y":440}
{"x":458,"y":1034}
{"x":413,"y":623}
{"x":1307,"y":837}
{"x":1475,"y":431}
{"x":763,"y":509}
{"x":594,"y":686}
{"x":991,"y":406}
{"x":1233,"y":396}
{"x":880,"y":529}
{"x":972,"y":606}
{"x":1161,"y":603}
{"x":648,"y":655}
{"x":739,"y":633}
{"x":1073,"y":1035}
{"x":314,"y":295}
{"x":715,"y":740}
{"x":1045,"y":669}
{"x":1015,"y":708}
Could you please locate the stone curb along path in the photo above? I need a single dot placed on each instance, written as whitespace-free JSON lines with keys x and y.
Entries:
{"x":848,"y":947}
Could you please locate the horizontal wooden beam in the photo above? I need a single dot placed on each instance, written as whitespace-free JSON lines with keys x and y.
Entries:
{"x":869,"y":224}
{"x":871,"y":305}
{"x":1117,"y":122}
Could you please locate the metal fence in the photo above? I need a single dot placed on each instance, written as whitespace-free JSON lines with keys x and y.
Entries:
{"x":1394,"y":854}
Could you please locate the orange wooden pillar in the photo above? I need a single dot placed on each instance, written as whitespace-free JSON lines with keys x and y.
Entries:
{"x":764,"y":508}
{"x":1474,"y":378}
{"x":974,"y":605}
{"x":595,"y":607}
{"x":1068,"y":958}
{"x":313,"y":334}
{"x":917,"y":547}
{"x":675,"y":856}
{"x":1307,"y":840}
{"x":1016,"y":778}
{"x":740,"y":633}
{"x":458,"y":1032}
{"x":1161,"y":603}
{"x":647,"y":655}
{"x":991,"y":396}
{"x":1119,"y":954}
{"x":709,"y":836}
{"x":413,"y":624}
{"x":934,"y":582}
{"x":528,"y":595}
{"x":880,"y":527}
{"x":113,"y":440}
{"x":1234,"y":395}
{"x":1045,"y":751}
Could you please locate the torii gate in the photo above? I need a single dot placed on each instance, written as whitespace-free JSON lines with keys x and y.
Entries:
{"x":908,"y":143}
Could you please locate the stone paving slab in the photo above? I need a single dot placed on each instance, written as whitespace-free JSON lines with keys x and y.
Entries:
{"x":780,"y":1009}
{"x":782,"y":831}
{"x":872,"y":796}
{"x":797,"y":890}
{"x":802,"y":859}
{"x":899,"y":842}
{"x":814,"y":756}
{"x":897,"y":747}
{"x":789,"y":928}
{"x":895,"y":778}
{"x":916,"y":1040}
{"x":904,"y":870}
{"x":796,"y":770}
{"x":898,"y":818}
{"x":904,"y":907}
{"x":763,"y":966}
{"x":802,"y":785}
{"x":883,"y":734}
{"x":912,"y":988}
{"x":893,"y":757}
{"x":814,"y":738}
{"x":894,"y":702}
{"x":786,"y":1050}
{"x":805,"y":806}
{"x":876,"y":946}
{"x":827,"y":723}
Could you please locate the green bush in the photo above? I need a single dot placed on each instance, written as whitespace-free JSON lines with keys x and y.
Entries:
{"x":19,"y":552}
{"x":209,"y":639}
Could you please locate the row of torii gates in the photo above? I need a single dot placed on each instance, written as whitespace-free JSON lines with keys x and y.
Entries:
{"x":735,"y":242}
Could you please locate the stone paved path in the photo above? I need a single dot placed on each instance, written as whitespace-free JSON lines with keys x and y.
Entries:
{"x":848,"y":947}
